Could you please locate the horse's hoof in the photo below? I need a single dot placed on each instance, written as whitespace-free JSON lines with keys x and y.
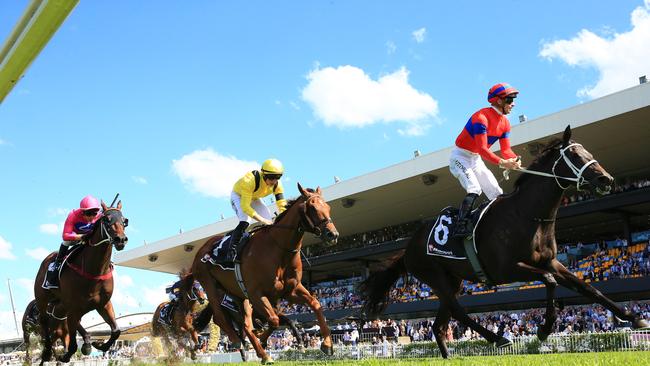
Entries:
{"x":267,"y":361}
{"x":86,"y":348}
{"x":328,"y":350}
{"x":503,"y":342}
{"x":100,"y":346}
{"x":640,"y":324}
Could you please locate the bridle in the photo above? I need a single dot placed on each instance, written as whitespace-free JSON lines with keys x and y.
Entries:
{"x":578,"y":179}
{"x":308,"y":225}
{"x":107,"y":234}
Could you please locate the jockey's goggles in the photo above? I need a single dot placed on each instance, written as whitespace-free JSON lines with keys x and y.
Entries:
{"x":272,"y":176}
{"x":509,"y":99}
{"x":92,"y":212}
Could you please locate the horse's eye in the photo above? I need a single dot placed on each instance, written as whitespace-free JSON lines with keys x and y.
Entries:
{"x":126,"y":222}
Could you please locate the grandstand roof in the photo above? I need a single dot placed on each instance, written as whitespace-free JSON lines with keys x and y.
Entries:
{"x":614,"y":128}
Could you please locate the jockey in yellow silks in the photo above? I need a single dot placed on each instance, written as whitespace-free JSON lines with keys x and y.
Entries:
{"x":246,"y":199}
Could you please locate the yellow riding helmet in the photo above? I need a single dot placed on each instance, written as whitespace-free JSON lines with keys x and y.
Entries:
{"x":272,"y":166}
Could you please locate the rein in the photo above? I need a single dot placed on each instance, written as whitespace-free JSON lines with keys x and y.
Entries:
{"x":578,"y":179}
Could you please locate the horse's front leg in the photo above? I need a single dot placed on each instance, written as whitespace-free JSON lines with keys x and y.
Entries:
{"x":72,"y":322}
{"x":86,"y":348}
{"x":108,"y":314}
{"x":262,"y":305}
{"x":551,"y":313}
{"x":565,"y":278}
{"x":300,"y":295}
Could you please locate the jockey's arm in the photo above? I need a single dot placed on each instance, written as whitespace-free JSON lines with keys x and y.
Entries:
{"x":484,"y":149}
{"x":68,"y":229}
{"x":280,"y":202}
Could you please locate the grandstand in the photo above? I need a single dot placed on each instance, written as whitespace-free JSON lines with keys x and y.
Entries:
{"x":376,"y":212}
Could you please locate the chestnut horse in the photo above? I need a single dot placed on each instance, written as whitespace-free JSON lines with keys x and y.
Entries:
{"x":181,"y":328}
{"x":271,"y":267}
{"x":515,"y":242}
{"x":87,"y":282}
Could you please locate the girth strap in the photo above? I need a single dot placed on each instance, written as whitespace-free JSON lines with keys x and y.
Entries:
{"x":240,"y":279}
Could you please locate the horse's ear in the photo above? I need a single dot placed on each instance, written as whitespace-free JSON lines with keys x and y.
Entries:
{"x":567,"y":135}
{"x":301,"y":190}
{"x":104,"y":208}
{"x":319,"y":191}
{"x":119,"y":205}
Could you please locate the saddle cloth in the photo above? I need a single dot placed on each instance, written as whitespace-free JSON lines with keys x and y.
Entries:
{"x":441,"y":242}
{"x":166,"y":314}
{"x":229,"y":303}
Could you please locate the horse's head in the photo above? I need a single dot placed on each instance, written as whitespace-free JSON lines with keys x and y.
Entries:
{"x":191,"y":289}
{"x":315,"y":216}
{"x":579,"y":166}
{"x":113,"y":223}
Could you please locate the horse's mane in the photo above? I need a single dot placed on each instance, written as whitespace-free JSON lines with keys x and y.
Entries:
{"x":540,"y":161}
{"x":290,"y":203}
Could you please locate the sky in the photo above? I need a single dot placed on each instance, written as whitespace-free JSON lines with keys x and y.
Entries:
{"x":168,"y":103}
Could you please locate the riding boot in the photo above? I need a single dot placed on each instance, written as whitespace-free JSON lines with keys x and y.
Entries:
{"x":235,"y":238}
{"x":53,"y":269}
{"x":463,"y":226}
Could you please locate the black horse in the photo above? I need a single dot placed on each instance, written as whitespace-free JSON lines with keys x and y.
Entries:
{"x":515,"y":242}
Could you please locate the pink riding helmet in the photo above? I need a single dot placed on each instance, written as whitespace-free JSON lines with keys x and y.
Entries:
{"x":89,"y":203}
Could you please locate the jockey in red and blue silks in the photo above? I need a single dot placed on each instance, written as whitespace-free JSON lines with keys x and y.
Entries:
{"x":483,"y":129}
{"x":80,"y":222}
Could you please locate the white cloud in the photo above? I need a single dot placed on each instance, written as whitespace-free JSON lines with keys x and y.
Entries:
{"x":294,"y":105}
{"x":38,"y":253}
{"x":2,"y":142}
{"x":5,"y":249}
{"x":391,"y":47}
{"x":139,"y":180}
{"x":619,"y":58}
{"x":419,"y":35}
{"x":347,"y":97}
{"x":210,"y":173}
{"x":51,"y":229}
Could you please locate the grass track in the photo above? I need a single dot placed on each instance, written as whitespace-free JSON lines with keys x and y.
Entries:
{"x":638,"y":358}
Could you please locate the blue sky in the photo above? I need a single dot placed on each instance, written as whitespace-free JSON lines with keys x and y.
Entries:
{"x":168,"y":103}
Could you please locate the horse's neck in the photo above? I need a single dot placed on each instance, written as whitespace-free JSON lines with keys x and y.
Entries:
{"x":284,"y":236}
{"x":540,"y":198}
{"x":96,"y":258}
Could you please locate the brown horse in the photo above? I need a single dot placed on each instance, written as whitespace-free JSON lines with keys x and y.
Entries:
{"x":515,"y":242}
{"x":87,"y":282}
{"x":181,"y":328}
{"x":57,"y":326}
{"x":271,"y":267}
{"x":240,"y":316}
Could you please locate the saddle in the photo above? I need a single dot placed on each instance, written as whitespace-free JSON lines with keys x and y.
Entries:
{"x":220,"y":250}
{"x":74,"y":250}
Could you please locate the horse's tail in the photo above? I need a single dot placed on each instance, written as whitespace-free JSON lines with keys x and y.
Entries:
{"x":201,"y":321}
{"x":376,"y":287}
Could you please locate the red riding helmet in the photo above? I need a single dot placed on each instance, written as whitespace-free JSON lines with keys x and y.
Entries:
{"x":500,"y":90}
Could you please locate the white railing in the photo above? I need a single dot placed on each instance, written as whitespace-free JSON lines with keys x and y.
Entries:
{"x":557,"y":343}
{"x":638,"y":340}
